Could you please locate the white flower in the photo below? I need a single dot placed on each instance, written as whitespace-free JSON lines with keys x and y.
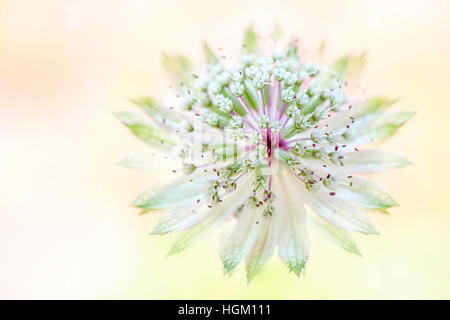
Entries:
{"x":287,"y":95}
{"x":224,"y":104}
{"x":279,"y":153}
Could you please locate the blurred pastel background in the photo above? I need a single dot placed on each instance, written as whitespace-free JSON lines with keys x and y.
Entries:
{"x":66,"y":228}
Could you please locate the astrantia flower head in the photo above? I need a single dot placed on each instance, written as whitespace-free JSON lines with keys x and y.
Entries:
{"x":270,"y":144}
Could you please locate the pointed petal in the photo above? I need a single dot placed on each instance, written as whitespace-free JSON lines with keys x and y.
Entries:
{"x":340,"y":65}
{"x":321,"y":49}
{"x":263,"y":248}
{"x":380,"y":129}
{"x":247,"y":228}
{"x":361,"y":115}
{"x":277,"y":31}
{"x":374,"y":105}
{"x":335,"y":235}
{"x":216,"y":216}
{"x":369,"y":161}
{"x":292,"y":51}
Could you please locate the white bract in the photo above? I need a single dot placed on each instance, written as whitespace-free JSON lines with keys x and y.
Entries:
{"x":270,"y":144}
